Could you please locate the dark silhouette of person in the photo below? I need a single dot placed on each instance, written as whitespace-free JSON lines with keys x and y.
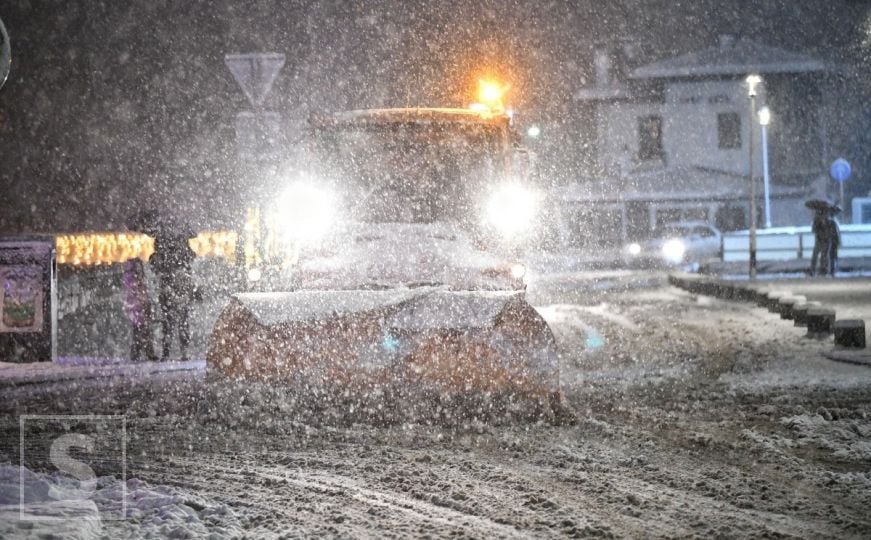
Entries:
{"x":831,"y":237}
{"x":819,"y":223}
{"x":171,"y":262}
{"x":827,"y":240}
{"x":137,"y":307}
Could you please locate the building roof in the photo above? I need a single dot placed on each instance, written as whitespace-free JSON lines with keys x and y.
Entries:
{"x":415,"y":114}
{"x":603,"y":93}
{"x":730,"y":57}
{"x":667,"y":184}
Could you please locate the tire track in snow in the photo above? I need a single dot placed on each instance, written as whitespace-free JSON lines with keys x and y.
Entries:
{"x":335,"y":486}
{"x":574,"y":335}
{"x":436,"y":513}
{"x":570,"y":332}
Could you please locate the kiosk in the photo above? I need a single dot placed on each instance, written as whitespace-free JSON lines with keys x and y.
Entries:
{"x":28,"y":299}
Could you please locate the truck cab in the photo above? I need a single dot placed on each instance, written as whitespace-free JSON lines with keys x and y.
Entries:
{"x":413,"y":169}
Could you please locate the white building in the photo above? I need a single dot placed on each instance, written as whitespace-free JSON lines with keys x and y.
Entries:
{"x":670,"y":141}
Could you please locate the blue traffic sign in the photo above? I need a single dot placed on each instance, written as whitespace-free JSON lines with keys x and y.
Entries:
{"x":840,"y":170}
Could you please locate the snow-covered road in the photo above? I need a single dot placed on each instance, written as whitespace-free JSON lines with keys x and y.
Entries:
{"x":696,"y":417}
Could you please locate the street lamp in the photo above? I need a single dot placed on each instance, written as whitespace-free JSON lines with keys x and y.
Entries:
{"x":764,"y":119}
{"x":752,"y":82}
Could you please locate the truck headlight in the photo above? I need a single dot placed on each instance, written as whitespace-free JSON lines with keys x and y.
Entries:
{"x":634,"y":249}
{"x":305,"y":212}
{"x":511,"y":209}
{"x":674,"y":250}
{"x":254,"y":275}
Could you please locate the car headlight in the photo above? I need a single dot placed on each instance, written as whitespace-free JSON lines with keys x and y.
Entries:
{"x":511,"y":209}
{"x":674,"y":250}
{"x":634,"y":249}
{"x":305,"y":212}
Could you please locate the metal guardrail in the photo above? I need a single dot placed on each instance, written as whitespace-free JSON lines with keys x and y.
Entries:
{"x":789,"y":243}
{"x":101,"y":286}
{"x":81,"y":288}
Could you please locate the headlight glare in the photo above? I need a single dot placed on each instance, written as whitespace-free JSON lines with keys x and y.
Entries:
{"x":305,"y":212}
{"x":674,"y":250}
{"x":511,"y":209}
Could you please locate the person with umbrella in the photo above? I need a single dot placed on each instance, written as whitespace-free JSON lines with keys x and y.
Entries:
{"x":171,"y":262}
{"x":827,"y":237}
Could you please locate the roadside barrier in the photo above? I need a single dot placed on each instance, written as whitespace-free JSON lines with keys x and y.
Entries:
{"x":789,"y":243}
{"x":799,"y":313}
{"x":100,"y":286}
{"x":79,"y":289}
{"x":788,"y":304}
{"x":850,"y":333}
{"x":820,"y":321}
{"x":772,"y":300}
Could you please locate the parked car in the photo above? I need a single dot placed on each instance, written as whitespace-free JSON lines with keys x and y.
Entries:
{"x":676,"y":244}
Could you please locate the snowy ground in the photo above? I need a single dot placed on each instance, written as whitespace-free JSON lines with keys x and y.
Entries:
{"x":40,"y":505}
{"x":696,"y":417}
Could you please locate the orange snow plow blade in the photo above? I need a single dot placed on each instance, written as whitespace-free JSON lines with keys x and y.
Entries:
{"x":450,"y":342}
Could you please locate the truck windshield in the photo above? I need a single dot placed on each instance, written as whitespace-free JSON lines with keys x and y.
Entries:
{"x":412,"y":172}
{"x":677,"y":231}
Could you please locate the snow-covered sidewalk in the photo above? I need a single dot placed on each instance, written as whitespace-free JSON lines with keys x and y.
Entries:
{"x":87,"y":368}
{"x":53,"y":505}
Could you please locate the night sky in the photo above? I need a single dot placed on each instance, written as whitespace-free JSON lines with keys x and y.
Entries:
{"x":118,"y":105}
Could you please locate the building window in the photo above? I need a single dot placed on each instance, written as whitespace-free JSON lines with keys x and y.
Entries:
{"x":729,"y":131}
{"x":650,"y":138}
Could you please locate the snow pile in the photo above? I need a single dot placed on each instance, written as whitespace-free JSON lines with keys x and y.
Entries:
{"x":40,"y":505}
{"x":87,"y":368}
{"x":453,"y":309}
{"x":847,"y":438}
{"x":389,"y":255}
{"x":771,"y":442}
{"x":299,"y":306}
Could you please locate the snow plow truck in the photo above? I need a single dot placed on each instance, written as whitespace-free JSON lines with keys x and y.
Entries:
{"x":393,"y":263}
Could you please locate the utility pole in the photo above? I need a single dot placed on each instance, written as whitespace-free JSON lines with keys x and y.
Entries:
{"x":752,"y":81}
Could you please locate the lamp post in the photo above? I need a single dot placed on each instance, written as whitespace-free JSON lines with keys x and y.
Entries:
{"x":764,"y":119}
{"x":752,"y":81}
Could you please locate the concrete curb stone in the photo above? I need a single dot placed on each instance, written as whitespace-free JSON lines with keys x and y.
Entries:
{"x":787,"y":305}
{"x":821,"y":322}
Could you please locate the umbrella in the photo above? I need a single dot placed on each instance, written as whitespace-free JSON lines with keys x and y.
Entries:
{"x":155,"y":223}
{"x":822,"y":205}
